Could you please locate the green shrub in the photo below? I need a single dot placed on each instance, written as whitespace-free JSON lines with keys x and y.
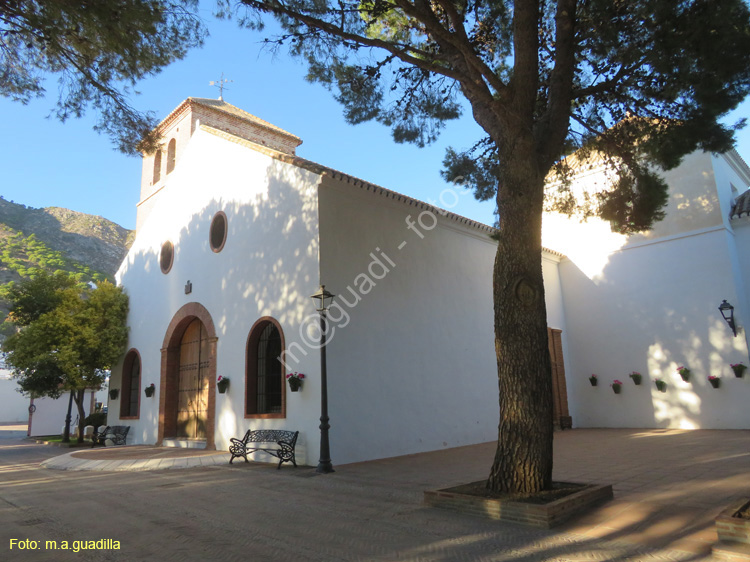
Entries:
{"x":96,"y":420}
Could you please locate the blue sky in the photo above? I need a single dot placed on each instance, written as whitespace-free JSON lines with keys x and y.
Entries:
{"x":48,"y":163}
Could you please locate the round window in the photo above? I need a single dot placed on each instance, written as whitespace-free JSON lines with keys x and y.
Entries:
{"x":218,"y":234}
{"x":166,"y":256}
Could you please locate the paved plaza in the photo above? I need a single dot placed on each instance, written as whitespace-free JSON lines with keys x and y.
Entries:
{"x":669,"y":485}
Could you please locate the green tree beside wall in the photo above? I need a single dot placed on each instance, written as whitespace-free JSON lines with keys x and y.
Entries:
{"x":65,"y":336}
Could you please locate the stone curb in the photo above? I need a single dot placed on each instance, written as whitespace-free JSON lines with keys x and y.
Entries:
{"x":69,"y":462}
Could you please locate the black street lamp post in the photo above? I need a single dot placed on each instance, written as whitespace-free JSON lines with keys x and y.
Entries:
{"x":324,"y":464}
{"x":68,"y":418}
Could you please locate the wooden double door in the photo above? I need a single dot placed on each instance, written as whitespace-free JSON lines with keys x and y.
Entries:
{"x":193,"y":382}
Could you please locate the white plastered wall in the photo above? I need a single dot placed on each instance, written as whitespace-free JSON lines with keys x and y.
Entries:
{"x":730,"y":172}
{"x":648,"y":303}
{"x":268,"y":267}
{"x":411,"y":362}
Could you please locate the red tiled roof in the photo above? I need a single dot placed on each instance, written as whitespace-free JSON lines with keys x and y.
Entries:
{"x":237,"y":112}
{"x":221,"y":105}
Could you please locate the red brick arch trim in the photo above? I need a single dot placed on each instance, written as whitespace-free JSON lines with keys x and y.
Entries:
{"x":170,"y":364}
{"x":183,"y":317}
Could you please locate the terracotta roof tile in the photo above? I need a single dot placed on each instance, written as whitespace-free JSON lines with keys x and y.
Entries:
{"x":221,"y":105}
{"x":237,"y":112}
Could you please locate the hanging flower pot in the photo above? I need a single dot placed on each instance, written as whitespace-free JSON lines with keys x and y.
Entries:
{"x":113,"y":394}
{"x":222,"y":383}
{"x":637,"y":377}
{"x":661,"y":386}
{"x":149,"y":390}
{"x":593,"y":380}
{"x":684,"y":373}
{"x":739,"y":369}
{"x":295,"y":381}
{"x":715,"y":381}
{"x":617,"y":386}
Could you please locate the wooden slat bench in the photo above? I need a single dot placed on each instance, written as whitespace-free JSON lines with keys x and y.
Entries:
{"x":117,"y":433}
{"x":285,"y":441}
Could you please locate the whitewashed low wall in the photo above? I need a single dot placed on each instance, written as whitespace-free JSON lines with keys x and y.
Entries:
{"x":49,"y":416}
{"x":14,"y":407}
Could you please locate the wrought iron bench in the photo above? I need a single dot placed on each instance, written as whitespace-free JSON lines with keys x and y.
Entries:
{"x":286,"y":440}
{"x":117,"y":433}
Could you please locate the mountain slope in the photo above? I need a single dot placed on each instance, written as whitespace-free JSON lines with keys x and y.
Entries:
{"x":86,"y":247}
{"x":88,"y":239}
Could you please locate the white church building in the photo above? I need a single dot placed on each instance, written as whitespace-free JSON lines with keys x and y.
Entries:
{"x":235,"y":233}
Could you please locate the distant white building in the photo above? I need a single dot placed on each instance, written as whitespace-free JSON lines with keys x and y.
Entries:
{"x":47,"y":415}
{"x":42,"y":416}
{"x":14,"y":407}
{"x":235,"y":232}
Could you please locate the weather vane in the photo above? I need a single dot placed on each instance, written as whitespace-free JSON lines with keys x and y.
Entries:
{"x":220,"y":84}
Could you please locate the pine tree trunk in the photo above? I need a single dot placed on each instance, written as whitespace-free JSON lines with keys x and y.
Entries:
{"x":523,"y":462}
{"x":79,"y":396}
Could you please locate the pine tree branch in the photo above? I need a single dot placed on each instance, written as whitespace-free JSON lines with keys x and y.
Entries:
{"x":406,"y":53}
{"x":525,"y":80}
{"x":609,"y":84}
{"x":470,"y":56}
{"x":554,"y":124}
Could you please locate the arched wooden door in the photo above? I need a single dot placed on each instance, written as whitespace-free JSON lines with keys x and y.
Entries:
{"x":193,"y":382}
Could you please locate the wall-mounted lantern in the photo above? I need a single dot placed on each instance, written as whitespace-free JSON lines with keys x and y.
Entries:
{"x":727,"y":312}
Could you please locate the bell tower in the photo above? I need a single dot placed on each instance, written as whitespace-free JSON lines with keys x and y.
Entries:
{"x":177,"y":129}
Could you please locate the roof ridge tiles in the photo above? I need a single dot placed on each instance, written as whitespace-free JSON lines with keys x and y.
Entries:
{"x":228,"y":108}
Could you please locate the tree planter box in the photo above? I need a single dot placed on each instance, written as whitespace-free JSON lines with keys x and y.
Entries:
{"x":732,"y":528}
{"x":542,"y":515}
{"x":734,"y":533}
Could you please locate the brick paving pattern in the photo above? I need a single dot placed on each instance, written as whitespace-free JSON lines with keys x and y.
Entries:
{"x":669,"y":486}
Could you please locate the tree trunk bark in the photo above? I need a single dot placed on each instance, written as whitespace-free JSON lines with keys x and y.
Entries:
{"x":80,"y":396}
{"x":523,"y":462}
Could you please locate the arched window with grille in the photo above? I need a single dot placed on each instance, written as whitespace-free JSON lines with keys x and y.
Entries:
{"x":264,"y":380}
{"x":131,"y":385}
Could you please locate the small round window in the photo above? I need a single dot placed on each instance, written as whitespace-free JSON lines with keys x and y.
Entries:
{"x":166,"y":256}
{"x":218,"y":234}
